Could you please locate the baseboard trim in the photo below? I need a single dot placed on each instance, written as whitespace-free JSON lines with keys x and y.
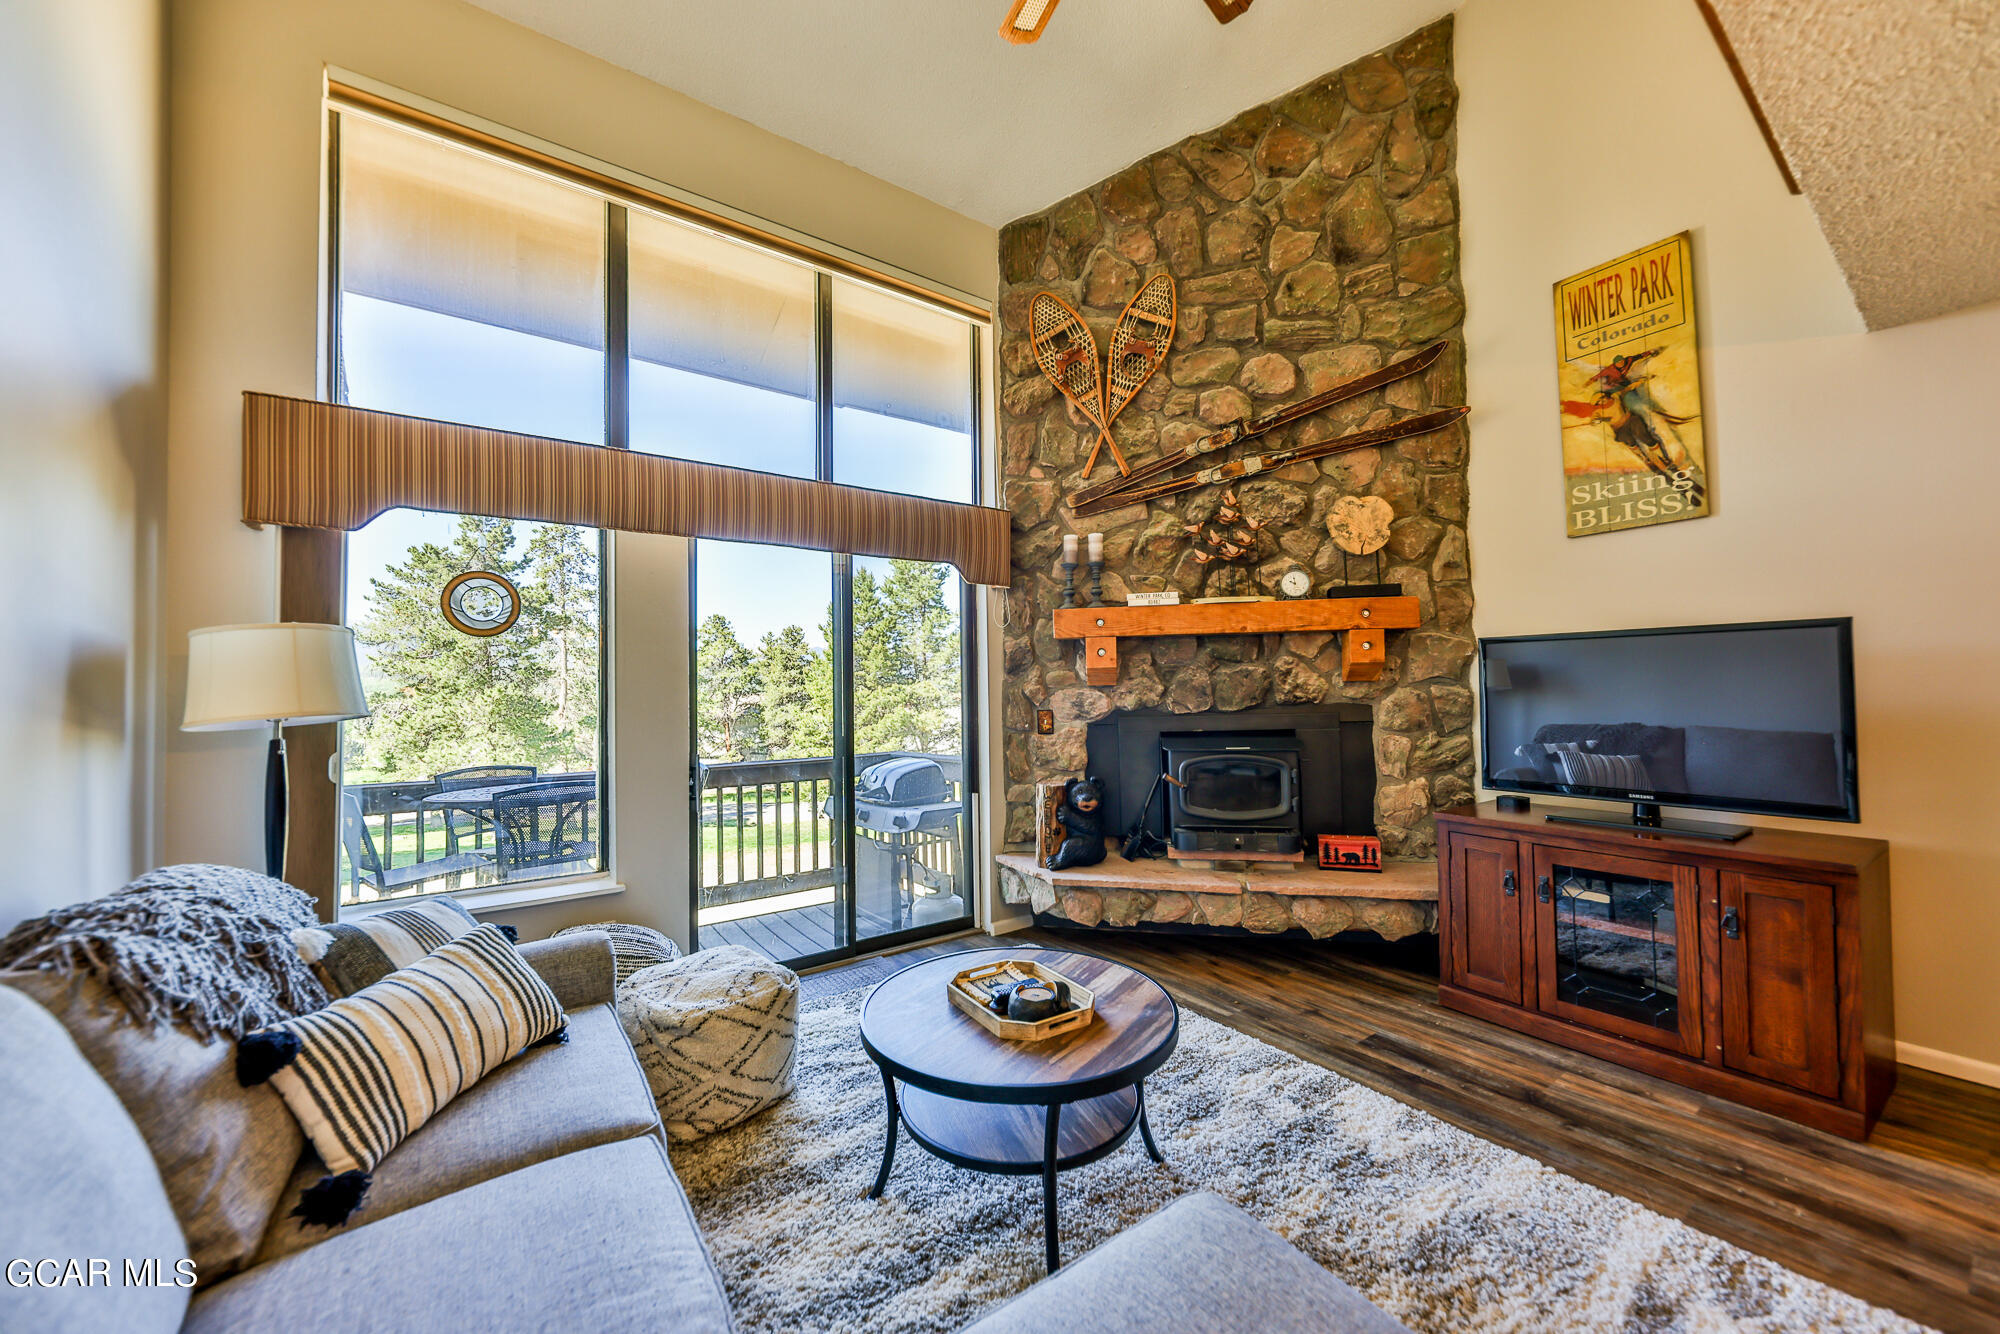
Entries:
{"x":1949,"y":1063}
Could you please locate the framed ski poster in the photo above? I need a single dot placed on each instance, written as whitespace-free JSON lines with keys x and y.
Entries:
{"x":1630,"y":385}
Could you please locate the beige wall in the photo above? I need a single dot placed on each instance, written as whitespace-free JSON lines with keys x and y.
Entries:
{"x":246,"y":222}
{"x":80,"y":387}
{"x":1853,"y":472}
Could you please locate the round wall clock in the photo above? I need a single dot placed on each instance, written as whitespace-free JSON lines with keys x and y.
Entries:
{"x":1295,"y":583}
{"x":480,"y":602}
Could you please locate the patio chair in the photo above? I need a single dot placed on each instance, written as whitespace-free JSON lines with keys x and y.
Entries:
{"x":364,"y":861}
{"x":476,"y":775}
{"x":543,"y":825}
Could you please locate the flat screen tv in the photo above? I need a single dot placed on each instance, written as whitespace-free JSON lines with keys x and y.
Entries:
{"x":1752,"y":718}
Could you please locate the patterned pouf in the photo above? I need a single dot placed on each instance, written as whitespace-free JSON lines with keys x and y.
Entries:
{"x":632,"y":947}
{"x":715,"y":1034}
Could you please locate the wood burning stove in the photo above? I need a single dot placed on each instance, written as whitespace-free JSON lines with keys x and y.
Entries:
{"x":1233,"y":793}
{"x":1316,"y":762}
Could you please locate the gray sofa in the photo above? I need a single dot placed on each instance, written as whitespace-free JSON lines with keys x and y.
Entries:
{"x":540,"y":1199}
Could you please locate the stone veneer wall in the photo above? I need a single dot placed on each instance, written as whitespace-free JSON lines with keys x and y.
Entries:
{"x":1311,"y":240}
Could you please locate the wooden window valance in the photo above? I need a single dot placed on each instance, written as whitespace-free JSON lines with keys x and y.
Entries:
{"x":308,"y":464}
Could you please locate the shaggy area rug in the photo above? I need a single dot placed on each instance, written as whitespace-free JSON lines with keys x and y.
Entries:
{"x":1444,"y":1230}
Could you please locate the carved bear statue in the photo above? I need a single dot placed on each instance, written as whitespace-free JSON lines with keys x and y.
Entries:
{"x":1082,"y":819}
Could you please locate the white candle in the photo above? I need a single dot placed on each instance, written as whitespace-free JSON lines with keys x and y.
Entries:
{"x":1069,"y":548}
{"x":1097,"y":546}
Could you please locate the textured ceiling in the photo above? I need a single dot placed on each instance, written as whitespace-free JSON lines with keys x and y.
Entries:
{"x":926,"y":94}
{"x":1889,"y":114}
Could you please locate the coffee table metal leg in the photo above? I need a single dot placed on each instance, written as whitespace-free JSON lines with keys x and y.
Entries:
{"x":1049,"y":1187}
{"x":889,"y":1143}
{"x":1146,"y":1127}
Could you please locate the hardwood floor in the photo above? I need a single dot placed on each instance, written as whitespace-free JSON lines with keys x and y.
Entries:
{"x":1909,"y":1220}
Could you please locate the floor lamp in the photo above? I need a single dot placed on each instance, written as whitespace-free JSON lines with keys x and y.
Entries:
{"x":251,"y":676}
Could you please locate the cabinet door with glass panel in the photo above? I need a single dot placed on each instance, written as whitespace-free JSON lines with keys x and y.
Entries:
{"x":1617,"y":945}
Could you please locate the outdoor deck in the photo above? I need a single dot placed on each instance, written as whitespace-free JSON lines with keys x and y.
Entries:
{"x":796,"y":932}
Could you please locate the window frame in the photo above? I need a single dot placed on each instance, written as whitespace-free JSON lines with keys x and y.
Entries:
{"x":618,"y":192}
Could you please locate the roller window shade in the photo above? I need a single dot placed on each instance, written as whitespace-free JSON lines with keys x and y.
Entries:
{"x":445,"y":229}
{"x":428,"y":224}
{"x":713,"y":306}
{"x":899,"y":358}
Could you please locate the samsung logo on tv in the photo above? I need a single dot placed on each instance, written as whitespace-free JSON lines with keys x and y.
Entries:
{"x":1641,"y":796}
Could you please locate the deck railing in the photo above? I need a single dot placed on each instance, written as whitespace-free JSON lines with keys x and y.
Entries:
{"x":405,"y":833}
{"x":764,"y":829}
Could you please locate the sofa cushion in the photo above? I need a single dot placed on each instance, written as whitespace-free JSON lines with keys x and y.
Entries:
{"x":76,"y":1182}
{"x":1200,"y":1263}
{"x":581,"y":969}
{"x":601,"y":1240}
{"x":550,"y":1101}
{"x":353,"y":955}
{"x":224,"y":1152}
{"x":1760,"y":764}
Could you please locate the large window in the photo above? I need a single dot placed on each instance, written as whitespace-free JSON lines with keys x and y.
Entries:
{"x":471,"y":291}
{"x":472,"y":287}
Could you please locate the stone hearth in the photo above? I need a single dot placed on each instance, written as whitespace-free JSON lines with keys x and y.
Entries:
{"x":1400,"y":900}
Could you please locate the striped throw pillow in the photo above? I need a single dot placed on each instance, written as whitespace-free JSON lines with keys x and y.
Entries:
{"x":348,"y":956}
{"x":1587,"y":768}
{"x":364,"y":1073}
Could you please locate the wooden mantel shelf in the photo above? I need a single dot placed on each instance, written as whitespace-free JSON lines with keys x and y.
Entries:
{"x":1396,"y":880}
{"x":1362,"y":656}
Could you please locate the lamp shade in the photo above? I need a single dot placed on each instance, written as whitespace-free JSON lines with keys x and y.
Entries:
{"x":243,"y":676}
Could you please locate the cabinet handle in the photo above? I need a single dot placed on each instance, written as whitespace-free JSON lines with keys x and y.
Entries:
{"x":1731,"y":927}
{"x":1507,"y":883}
{"x":1542,"y":889}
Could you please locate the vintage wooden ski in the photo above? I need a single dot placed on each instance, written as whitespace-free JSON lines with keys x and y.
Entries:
{"x":1229,"y":435}
{"x":1422,"y":424}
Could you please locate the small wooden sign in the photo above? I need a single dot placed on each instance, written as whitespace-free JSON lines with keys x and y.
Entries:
{"x":1350,"y":852}
{"x":1048,"y":830}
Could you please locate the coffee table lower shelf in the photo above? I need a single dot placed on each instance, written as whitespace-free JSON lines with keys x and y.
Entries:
{"x":1012,"y":1139}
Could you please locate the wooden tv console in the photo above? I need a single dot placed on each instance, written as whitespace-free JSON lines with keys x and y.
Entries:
{"x":1761,"y":967}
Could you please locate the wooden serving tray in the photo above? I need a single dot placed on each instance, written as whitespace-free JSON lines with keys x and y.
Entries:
{"x":969,"y":989}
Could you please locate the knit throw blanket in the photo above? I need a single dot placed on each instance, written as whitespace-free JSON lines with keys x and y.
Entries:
{"x":206,"y":947}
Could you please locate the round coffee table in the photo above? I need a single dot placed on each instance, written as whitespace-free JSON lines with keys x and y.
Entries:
{"x":1018,"y":1108}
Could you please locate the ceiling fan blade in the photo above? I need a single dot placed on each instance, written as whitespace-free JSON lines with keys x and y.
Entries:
{"x":1027,"y":18}
{"x":1225,"y":10}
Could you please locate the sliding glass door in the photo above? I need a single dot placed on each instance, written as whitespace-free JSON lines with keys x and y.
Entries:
{"x":830,"y":793}
{"x":831,"y":691}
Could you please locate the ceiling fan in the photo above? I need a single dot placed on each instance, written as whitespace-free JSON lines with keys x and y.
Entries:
{"x":1027,"y":18}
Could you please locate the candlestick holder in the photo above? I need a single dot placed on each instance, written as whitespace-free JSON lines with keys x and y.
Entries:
{"x":1069,"y":583}
{"x":1097,"y":583}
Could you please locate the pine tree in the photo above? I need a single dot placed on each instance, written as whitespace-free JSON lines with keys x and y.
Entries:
{"x":561,"y":598}
{"x":793,"y":678}
{"x":445,"y":699}
{"x":906,"y":660}
{"x":729,"y":707}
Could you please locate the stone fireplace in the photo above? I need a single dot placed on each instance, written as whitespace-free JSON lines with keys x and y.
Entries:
{"x":1311,"y":239}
